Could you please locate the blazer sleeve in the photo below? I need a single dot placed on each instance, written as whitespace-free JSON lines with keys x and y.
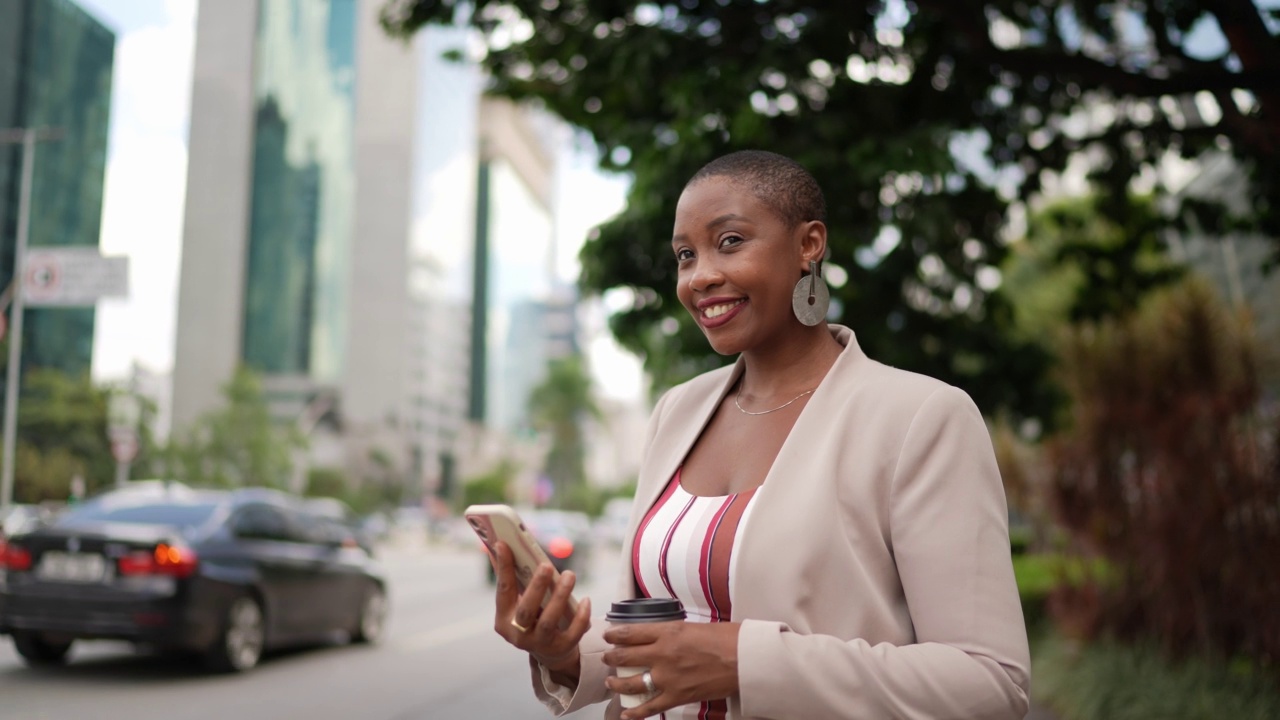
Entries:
{"x":949,"y":533}
{"x":592,"y":670}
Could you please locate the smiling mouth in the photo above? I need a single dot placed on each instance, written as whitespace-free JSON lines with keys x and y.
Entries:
{"x":716,"y":311}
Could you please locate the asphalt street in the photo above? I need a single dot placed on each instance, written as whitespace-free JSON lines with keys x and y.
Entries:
{"x":440,"y":659}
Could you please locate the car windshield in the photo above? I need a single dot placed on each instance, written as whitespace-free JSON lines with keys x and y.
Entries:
{"x":184,"y":515}
{"x":548,"y":523}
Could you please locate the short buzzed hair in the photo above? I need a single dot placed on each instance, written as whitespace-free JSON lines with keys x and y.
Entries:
{"x":778,"y":181}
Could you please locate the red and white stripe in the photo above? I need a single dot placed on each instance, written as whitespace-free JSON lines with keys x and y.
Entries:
{"x":686,"y":548}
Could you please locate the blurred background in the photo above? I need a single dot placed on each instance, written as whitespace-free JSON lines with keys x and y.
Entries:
{"x":388,"y":258}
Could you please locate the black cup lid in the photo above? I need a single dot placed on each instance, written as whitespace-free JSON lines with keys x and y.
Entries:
{"x":646,"y":610}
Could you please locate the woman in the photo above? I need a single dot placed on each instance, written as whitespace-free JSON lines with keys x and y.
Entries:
{"x":836,"y":528}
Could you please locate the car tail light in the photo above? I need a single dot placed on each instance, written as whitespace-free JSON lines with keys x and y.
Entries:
{"x":170,"y":560}
{"x":560,"y":547}
{"x":13,"y":557}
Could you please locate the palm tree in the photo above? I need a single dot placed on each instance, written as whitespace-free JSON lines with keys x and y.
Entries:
{"x":558,"y":406}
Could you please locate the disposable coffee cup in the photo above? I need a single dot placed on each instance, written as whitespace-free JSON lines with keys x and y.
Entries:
{"x":642,"y":610}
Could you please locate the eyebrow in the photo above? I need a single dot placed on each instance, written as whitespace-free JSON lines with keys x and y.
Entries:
{"x":714,"y":223}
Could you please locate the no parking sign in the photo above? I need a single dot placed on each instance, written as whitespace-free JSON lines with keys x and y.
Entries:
{"x":72,"y":276}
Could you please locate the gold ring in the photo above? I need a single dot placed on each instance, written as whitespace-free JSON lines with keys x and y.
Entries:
{"x":518,"y":626}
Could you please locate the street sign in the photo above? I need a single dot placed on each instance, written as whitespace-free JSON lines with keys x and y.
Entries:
{"x":124,"y":410}
{"x":124,"y":447}
{"x":73,"y":276}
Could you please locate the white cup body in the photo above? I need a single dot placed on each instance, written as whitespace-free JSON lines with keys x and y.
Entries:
{"x":630,"y":701}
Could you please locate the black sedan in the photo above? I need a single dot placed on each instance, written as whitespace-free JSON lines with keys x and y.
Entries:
{"x":565,"y":537}
{"x":226,"y":575}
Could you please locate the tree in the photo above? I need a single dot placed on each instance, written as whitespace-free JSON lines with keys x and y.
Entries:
{"x":558,"y":406}
{"x":1169,"y":472}
{"x":923,"y":120}
{"x":493,"y":486}
{"x":62,"y":432}
{"x":236,"y":445}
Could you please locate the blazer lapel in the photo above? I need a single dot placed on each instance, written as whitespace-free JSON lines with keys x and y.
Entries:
{"x":684,"y":422}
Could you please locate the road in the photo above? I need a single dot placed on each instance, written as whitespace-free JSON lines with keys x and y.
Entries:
{"x":440,"y":659}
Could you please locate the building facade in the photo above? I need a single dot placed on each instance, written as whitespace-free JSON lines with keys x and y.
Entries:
{"x":295,"y":241}
{"x":56,"y":62}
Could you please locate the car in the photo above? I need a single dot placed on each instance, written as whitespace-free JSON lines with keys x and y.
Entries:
{"x":565,"y":536}
{"x":21,"y":518}
{"x":222,"y":574}
{"x":611,"y":526}
{"x":339,"y":512}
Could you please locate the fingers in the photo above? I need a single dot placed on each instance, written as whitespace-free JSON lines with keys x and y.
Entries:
{"x":529,"y":607}
{"x":581,"y":622}
{"x":557,"y":624}
{"x":556,"y":612}
{"x":640,"y":634}
{"x":652,"y":707}
{"x":508,"y":592}
{"x":634,"y":685}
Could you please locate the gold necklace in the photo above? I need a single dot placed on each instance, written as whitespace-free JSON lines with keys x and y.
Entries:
{"x":765,"y":412}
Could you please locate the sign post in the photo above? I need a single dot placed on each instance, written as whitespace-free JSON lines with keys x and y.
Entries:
{"x":124,"y":410}
{"x":66,"y":277}
{"x":28,"y":139}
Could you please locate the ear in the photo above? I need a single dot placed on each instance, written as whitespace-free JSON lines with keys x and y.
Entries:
{"x":813,"y":243}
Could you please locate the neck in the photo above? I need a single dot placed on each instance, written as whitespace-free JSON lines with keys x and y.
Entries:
{"x":791,"y":366}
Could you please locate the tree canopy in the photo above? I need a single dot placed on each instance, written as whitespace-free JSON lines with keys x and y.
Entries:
{"x":923,"y":120}
{"x":235,"y":445}
{"x":559,"y":406}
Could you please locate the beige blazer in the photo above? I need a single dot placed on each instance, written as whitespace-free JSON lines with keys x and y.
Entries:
{"x":874,"y":578}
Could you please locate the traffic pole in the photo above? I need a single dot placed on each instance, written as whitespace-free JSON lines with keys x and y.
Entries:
{"x":12,"y":376}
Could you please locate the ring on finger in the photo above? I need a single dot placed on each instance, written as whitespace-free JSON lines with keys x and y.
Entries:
{"x":516,"y":624}
{"x":647,"y":679}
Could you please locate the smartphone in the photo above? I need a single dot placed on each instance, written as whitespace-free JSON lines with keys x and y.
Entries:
{"x":499,"y":522}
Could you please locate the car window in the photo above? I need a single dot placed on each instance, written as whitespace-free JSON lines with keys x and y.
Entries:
{"x":184,"y":515}
{"x":263,"y":522}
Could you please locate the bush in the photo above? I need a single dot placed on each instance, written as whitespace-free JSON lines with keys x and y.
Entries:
{"x":491,"y":487}
{"x":1170,"y":472}
{"x":1106,"y":679}
{"x":1044,"y":578}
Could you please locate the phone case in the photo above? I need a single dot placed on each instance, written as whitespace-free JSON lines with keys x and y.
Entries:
{"x":500,"y":522}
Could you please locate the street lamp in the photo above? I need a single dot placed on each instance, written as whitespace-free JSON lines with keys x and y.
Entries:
{"x":28,"y":137}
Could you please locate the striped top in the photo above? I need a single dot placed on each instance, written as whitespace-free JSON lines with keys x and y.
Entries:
{"x":686,"y":547}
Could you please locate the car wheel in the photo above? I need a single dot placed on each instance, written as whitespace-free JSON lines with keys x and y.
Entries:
{"x":243,"y":637}
{"x":37,"y":651}
{"x":373,"y":616}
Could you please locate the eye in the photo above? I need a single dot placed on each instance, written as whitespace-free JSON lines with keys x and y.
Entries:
{"x":730,"y":240}
{"x":684,"y":254}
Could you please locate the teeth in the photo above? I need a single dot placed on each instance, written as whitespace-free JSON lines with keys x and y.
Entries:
{"x":716,"y":311}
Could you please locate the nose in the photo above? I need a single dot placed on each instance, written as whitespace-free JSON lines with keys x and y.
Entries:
{"x":705,"y":275}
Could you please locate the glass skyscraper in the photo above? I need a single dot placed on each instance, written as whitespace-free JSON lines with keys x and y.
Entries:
{"x":55,"y":71}
{"x":303,"y":189}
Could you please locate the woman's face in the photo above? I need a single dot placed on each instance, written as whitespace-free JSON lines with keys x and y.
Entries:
{"x":738,"y":263}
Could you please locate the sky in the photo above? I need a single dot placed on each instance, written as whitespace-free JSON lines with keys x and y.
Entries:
{"x":146,"y":178}
{"x":145,"y":192}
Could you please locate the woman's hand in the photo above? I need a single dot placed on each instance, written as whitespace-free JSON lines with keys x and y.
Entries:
{"x":553,"y":644}
{"x":688,"y":662}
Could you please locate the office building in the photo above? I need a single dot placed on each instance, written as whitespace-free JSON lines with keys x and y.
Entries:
{"x":541,"y":330}
{"x":438,"y":385}
{"x":55,"y":71}
{"x":295,"y":244}
{"x":513,"y":262}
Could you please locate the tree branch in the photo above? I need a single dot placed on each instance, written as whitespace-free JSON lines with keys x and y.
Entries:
{"x":1094,"y":73}
{"x":1257,"y":49}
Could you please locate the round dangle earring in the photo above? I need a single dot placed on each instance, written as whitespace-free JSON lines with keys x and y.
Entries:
{"x":811,"y":299}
